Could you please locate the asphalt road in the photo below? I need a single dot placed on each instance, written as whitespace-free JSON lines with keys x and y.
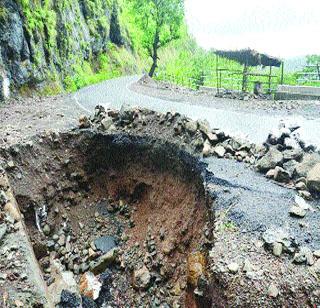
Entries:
{"x":255,"y":126}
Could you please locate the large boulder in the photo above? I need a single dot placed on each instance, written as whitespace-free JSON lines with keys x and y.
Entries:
{"x":272,"y":159}
{"x":313,"y":178}
{"x":308,"y":162}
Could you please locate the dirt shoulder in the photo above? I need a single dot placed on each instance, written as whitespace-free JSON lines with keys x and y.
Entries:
{"x":22,"y":118}
{"x":167,"y":91}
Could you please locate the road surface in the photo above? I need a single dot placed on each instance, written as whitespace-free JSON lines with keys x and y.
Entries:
{"x":255,"y":126}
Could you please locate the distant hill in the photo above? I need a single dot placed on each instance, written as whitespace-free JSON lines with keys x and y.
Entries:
{"x":294,"y":64}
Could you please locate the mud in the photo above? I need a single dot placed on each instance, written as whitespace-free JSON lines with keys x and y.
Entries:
{"x":145,"y":194}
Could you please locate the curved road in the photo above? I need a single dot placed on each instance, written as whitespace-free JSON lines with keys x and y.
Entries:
{"x":255,"y":126}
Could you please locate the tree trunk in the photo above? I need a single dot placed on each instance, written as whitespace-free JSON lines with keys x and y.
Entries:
{"x":154,"y":54}
{"x":153,"y":67}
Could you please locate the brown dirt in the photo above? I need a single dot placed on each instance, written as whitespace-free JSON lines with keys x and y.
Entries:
{"x":165,"y":208}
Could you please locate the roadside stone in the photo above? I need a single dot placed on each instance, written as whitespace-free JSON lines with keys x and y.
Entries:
{"x":316,"y":253}
{"x":277,"y":249}
{"x":106,"y":123}
{"x":291,"y":143}
{"x":220,"y":151}
{"x":46,"y":229}
{"x":195,"y":268}
{"x":247,"y":267}
{"x":272,"y":159}
{"x":191,"y":126}
{"x":84,"y":122}
{"x":206,"y":148}
{"x":313,"y":178}
{"x":105,"y":243}
{"x":89,"y":285}
{"x":290,"y":167}
{"x":293,"y":154}
{"x":305,"y":194}
{"x":103,"y":262}
{"x":141,"y":278}
{"x":273,"y":290}
{"x":280,"y":175}
{"x":270,"y":174}
{"x":301,"y":186}
{"x":304,"y":255}
{"x":308,"y":162}
{"x":297,"y":211}
{"x":233,"y":267}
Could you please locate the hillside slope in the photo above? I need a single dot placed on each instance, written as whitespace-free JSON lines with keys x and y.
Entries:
{"x":49,"y":44}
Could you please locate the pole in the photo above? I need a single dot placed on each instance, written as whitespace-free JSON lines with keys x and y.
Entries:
{"x":282,"y":70}
{"x":244,"y":78}
{"x":269,"y":83}
{"x":217,"y":72}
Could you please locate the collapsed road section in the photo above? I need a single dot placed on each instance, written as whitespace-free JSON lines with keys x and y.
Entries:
{"x":123,"y":212}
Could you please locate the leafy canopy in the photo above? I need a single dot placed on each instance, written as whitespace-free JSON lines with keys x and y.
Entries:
{"x":162,"y":18}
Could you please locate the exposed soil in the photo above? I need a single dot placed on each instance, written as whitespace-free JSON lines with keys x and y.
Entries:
{"x":77,"y":191}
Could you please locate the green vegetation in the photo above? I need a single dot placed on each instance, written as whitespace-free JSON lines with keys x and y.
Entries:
{"x":185,"y":63}
{"x":117,"y":61}
{"x":159,"y":22}
{"x":146,"y":34}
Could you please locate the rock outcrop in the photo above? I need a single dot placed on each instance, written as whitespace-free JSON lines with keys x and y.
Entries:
{"x":48,"y":41}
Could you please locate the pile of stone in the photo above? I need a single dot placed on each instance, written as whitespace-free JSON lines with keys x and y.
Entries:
{"x":284,"y":157}
{"x":279,"y":241}
{"x":244,"y":96}
{"x":287,"y":159}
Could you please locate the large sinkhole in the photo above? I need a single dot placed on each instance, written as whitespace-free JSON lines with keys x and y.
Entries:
{"x":114,"y":220}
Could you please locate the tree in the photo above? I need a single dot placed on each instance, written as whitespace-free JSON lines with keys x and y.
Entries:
{"x":160,"y":22}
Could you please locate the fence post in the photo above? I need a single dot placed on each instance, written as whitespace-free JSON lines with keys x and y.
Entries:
{"x":269,"y":83}
{"x":217,"y":72}
{"x":245,"y":78}
{"x":282,"y":71}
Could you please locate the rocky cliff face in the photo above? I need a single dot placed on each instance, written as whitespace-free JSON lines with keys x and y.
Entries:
{"x":47,"y":40}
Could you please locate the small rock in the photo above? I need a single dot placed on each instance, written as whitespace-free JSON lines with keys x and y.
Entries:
{"x":270,"y":174}
{"x":281,"y":175}
{"x":220,"y":151}
{"x":89,"y":285}
{"x":301,"y":186}
{"x":233,"y":267}
{"x":297,"y":211}
{"x":316,"y":253}
{"x":206,"y":148}
{"x":305,"y":194}
{"x":46,"y":229}
{"x":277,"y":249}
{"x":271,"y":160}
{"x":84,"y":122}
{"x":103,"y":262}
{"x":247,"y":267}
{"x":105,"y":243}
{"x":313,"y":178}
{"x":141,"y":278}
{"x":273,"y":291}
{"x":195,"y":268}
{"x":304,"y":255}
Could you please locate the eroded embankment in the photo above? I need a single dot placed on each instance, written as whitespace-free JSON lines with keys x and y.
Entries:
{"x":114,"y":219}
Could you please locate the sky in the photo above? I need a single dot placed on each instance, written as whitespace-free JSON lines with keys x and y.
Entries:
{"x":281,"y":28}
